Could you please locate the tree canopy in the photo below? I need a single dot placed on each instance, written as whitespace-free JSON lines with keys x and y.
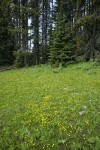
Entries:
{"x":55,"y":31}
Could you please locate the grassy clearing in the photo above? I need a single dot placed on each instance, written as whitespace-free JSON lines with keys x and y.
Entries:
{"x":43,"y":108}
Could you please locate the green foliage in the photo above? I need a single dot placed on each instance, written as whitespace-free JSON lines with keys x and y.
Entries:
{"x":98,"y":58}
{"x":62,"y":44}
{"x":86,"y":21}
{"x":62,"y":48}
{"x":7,"y":43}
{"x":46,"y":108}
{"x":23,"y":58}
{"x":21,"y":21}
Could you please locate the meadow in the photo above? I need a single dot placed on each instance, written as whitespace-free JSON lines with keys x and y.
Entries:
{"x":45,"y":108}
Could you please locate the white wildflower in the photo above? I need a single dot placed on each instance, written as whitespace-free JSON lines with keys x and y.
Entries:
{"x":65,"y":89}
{"x":81,"y":113}
{"x":75,"y":93}
{"x":84,"y":107}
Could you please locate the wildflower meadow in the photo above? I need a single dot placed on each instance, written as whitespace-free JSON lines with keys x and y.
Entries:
{"x":45,"y":108}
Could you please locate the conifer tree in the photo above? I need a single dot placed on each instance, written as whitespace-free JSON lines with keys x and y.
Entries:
{"x":62,"y":47}
{"x":7,"y":45}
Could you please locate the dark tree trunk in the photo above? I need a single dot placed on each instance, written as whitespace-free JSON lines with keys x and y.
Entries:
{"x":36,"y":53}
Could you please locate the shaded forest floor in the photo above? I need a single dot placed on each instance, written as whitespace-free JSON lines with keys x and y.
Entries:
{"x":44,"y":108}
{"x":4,"y":68}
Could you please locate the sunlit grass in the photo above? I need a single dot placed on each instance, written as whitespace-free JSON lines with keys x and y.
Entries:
{"x":44,"y":108}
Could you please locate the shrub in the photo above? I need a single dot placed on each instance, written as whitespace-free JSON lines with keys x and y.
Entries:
{"x":22,"y":58}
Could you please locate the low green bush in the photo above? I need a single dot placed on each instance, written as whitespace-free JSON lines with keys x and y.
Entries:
{"x":23,"y":58}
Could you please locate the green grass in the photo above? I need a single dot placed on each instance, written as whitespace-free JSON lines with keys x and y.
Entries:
{"x":44,"y":108}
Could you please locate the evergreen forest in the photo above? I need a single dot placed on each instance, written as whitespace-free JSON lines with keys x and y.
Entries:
{"x":36,"y":32}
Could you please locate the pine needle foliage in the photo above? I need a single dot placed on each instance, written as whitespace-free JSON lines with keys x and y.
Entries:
{"x":62,"y":45}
